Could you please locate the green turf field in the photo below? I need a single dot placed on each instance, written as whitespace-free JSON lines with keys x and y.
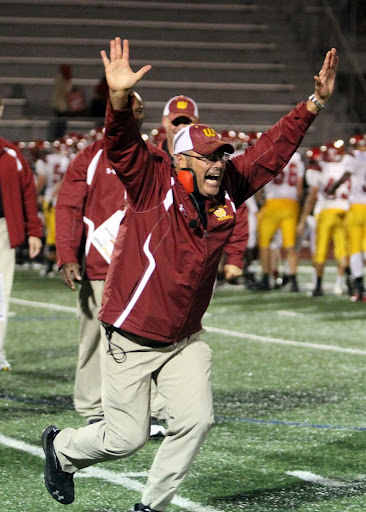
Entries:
{"x":289,"y":384}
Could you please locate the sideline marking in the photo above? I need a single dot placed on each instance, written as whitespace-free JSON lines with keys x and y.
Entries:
{"x":289,"y":423}
{"x":225,"y":332}
{"x":284,"y":312}
{"x":43,"y":305}
{"x":317,"y":479}
{"x":123,"y":479}
{"x":280,"y":341}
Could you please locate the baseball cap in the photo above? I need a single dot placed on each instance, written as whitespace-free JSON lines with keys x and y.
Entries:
{"x":181,"y":106}
{"x":135,"y":97}
{"x":200,"y":138}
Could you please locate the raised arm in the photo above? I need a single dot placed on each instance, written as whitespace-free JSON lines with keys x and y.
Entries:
{"x":120,"y":77}
{"x":324,"y":82}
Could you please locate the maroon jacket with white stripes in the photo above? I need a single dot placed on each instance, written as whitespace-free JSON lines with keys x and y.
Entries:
{"x":162,"y":273}
{"x":89,"y":195}
{"x":18,"y":195}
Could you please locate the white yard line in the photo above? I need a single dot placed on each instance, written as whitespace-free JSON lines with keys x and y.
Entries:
{"x":283,"y":312}
{"x":43,"y":305}
{"x":123,"y":479}
{"x":280,"y":341}
{"x":224,"y":332}
{"x":307,"y":476}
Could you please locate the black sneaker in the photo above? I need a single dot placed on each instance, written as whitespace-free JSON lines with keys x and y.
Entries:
{"x":294,"y":287}
{"x":59,"y":484}
{"x":260,"y":286}
{"x":318,"y":292}
{"x":140,"y":507}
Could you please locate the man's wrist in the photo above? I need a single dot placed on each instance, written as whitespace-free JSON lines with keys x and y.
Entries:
{"x":319,"y":104}
{"x":118,"y":99}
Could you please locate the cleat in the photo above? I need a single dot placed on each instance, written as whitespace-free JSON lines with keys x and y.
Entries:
{"x":5,"y":366}
{"x":285,"y":279}
{"x":294,"y":287}
{"x":318,"y":292}
{"x":157,"y":430}
{"x":59,"y":484}
{"x":338,"y":290}
{"x":358,"y":297}
{"x":260,"y":286}
{"x":278,"y":283}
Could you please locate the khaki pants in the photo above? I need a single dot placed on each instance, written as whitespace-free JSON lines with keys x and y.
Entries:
{"x":182,"y":372}
{"x":88,"y":381}
{"x":7,"y":265}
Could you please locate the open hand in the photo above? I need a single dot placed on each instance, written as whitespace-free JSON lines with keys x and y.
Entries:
{"x":324,"y":82}
{"x":119,"y":75}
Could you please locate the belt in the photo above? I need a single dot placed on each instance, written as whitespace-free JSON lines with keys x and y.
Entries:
{"x":145,"y":342}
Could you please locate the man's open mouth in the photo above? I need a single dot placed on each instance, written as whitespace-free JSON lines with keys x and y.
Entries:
{"x":212,"y":177}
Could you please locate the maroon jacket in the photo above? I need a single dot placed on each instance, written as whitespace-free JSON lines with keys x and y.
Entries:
{"x":18,"y":195}
{"x":90,"y":194}
{"x":162,"y":272}
{"x":237,"y":243}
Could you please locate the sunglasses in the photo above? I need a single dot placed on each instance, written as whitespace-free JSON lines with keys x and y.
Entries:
{"x":209,"y":159}
{"x":181,"y":120}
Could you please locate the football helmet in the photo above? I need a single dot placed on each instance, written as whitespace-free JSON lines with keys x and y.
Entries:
{"x":358,"y":141}
{"x":314,"y":154}
{"x":333,"y":151}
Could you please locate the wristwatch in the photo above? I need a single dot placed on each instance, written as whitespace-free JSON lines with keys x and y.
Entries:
{"x":319,"y":105}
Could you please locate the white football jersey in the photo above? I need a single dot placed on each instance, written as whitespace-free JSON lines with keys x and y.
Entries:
{"x":251,"y":205}
{"x":324,"y":179}
{"x":358,"y":179}
{"x":284,"y":185}
{"x":53,"y":167}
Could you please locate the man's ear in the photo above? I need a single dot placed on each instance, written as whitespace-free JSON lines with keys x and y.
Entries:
{"x":180,"y":161}
{"x":165,"y":121}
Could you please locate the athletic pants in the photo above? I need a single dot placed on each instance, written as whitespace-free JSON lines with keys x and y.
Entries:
{"x":7,"y":265}
{"x":88,"y":381}
{"x":182,"y":372}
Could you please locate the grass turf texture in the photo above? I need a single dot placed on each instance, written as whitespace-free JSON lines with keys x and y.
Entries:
{"x":279,"y":408}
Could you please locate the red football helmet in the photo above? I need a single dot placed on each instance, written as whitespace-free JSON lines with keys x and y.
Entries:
{"x":314,"y":153}
{"x":39,"y":149}
{"x":76,"y":141}
{"x":358,"y":141}
{"x":228,"y":136}
{"x":96,"y":133}
{"x":250,"y":138}
{"x":333,"y":151}
{"x":233,"y":138}
{"x":157,"y":135}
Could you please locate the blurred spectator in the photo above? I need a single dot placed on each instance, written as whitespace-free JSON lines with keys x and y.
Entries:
{"x":99,"y":100}
{"x":59,"y":102}
{"x":76,"y":101}
{"x":61,"y":90}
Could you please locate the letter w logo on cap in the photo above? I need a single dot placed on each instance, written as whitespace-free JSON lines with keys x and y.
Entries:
{"x":182,"y":105}
{"x":209,"y":132}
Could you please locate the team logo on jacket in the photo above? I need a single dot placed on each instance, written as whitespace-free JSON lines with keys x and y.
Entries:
{"x":220,"y":212}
